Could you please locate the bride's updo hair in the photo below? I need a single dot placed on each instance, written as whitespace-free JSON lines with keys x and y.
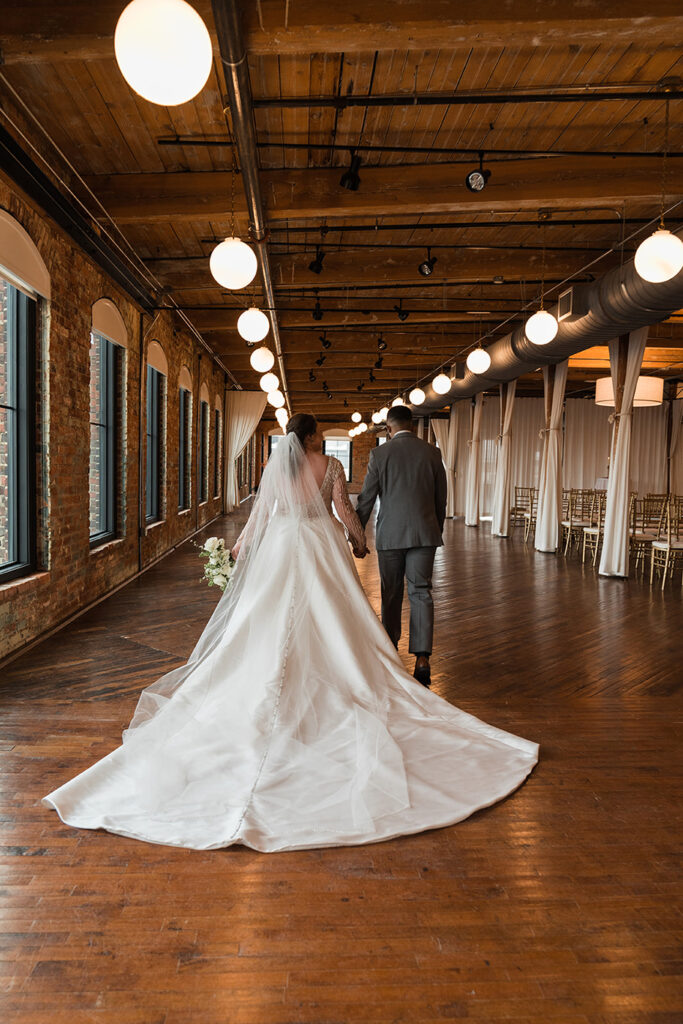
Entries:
{"x":303,"y":425}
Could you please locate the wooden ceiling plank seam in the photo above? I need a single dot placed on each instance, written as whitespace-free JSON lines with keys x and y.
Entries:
{"x":77,"y":121}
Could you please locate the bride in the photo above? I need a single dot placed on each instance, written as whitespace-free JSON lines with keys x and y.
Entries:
{"x":294,"y":724}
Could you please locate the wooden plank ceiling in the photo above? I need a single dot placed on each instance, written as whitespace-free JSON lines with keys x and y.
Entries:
{"x":589,"y":166}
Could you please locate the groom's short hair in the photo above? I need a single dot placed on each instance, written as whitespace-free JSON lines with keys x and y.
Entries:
{"x":400,"y":416}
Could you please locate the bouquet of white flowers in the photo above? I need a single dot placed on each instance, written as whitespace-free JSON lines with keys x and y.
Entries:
{"x":219,"y":563}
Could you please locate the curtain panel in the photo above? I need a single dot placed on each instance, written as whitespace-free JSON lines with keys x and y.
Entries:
{"x":500,"y":521}
{"x":550,"y":490}
{"x":243,"y":412}
{"x":472,"y":495}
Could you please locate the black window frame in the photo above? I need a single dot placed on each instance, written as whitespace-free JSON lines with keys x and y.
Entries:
{"x":22,"y":518}
{"x":203,"y":468}
{"x":216,"y":452}
{"x":109,"y":383}
{"x":184,"y":438}
{"x":154,"y":391}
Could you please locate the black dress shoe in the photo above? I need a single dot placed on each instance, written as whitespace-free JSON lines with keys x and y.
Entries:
{"x":423,"y":672}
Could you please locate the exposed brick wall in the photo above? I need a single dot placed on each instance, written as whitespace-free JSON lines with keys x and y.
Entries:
{"x":70,"y":575}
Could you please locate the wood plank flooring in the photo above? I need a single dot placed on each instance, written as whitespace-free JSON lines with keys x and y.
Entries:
{"x":561,"y":904}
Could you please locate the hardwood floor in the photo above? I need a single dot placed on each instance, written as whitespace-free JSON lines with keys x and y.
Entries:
{"x":561,"y":904}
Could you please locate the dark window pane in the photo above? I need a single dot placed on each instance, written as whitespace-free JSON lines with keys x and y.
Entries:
{"x":153,"y":475}
{"x":203,"y":451}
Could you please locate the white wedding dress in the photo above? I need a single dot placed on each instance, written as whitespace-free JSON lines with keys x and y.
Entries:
{"x":294,"y":723}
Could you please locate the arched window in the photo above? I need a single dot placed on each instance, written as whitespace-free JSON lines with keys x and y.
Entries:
{"x":184,"y":438}
{"x":24,"y":280}
{"x":108,"y":339}
{"x":203,"y":468}
{"x":157,"y":372}
{"x":336,"y":442}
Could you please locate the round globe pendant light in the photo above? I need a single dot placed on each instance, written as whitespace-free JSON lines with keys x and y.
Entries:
{"x":417,"y":396}
{"x":269,"y":382}
{"x":659,"y":257}
{"x":164,"y":51}
{"x":352,"y":433}
{"x":478,"y":361}
{"x":233,"y":264}
{"x":362,"y":427}
{"x":262,"y":359}
{"x":397,"y":401}
{"x":276,"y":399}
{"x":282,"y":417}
{"x":253,"y":325}
{"x":541,"y":328}
{"x":383,"y":413}
{"x":442,"y":383}
{"x":376,"y":418}
{"x":356,"y":417}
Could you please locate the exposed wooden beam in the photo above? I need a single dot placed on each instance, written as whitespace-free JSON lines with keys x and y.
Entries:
{"x":431,"y":188}
{"x":383,"y":267}
{"x":78,"y":30}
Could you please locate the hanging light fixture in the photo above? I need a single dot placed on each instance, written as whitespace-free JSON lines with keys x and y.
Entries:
{"x":381,"y":344}
{"x":401,"y":313}
{"x":282,"y":418}
{"x":417,"y":396}
{"x":383,"y":413}
{"x":541,"y":327}
{"x":316,"y":265}
{"x":269,"y":382}
{"x":277,"y":399}
{"x":233,"y":264}
{"x":397,"y":401}
{"x":324,"y":340}
{"x":352,"y":432}
{"x":649,"y":392}
{"x":478,"y":361}
{"x":476,"y":180}
{"x":253,"y":325}
{"x":350,"y":179}
{"x":163,"y":50}
{"x":317,"y":313}
{"x":376,"y":418}
{"x":427,"y":266}
{"x":442,"y":383}
{"x":262,"y":359}
{"x":356,"y":417}
{"x":660,"y":257}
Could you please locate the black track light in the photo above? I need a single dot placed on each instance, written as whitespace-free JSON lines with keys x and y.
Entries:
{"x":317,"y":310}
{"x":321,"y":359}
{"x":371,"y":377}
{"x":329,"y":394}
{"x":476,"y":180}
{"x":359,"y":387}
{"x":346,"y":404}
{"x":378,"y":363}
{"x":381,"y":343}
{"x":312,"y":377}
{"x":324,"y":385}
{"x":427,"y":266}
{"x":350,"y":179}
{"x":316,"y":265}
{"x":401,"y":313}
{"x":325,"y":341}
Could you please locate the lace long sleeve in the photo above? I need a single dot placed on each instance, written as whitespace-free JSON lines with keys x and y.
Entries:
{"x":346,"y":511}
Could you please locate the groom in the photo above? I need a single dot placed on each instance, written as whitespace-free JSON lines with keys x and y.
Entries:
{"x":409,"y":477}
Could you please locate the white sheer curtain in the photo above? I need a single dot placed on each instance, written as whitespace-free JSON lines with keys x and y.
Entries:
{"x":446,"y":434}
{"x":586,"y":442}
{"x":676,"y":448}
{"x":243,"y":410}
{"x":526,"y":450}
{"x":648,"y":450}
{"x":488,"y":454}
{"x":550,"y":489}
{"x":500,"y":522}
{"x":472,"y":495}
{"x":614,"y":558}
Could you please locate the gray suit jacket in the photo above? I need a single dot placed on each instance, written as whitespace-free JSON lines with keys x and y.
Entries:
{"x":408,"y":476}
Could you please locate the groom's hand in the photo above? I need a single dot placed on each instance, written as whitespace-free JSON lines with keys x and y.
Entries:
{"x":360,"y":552}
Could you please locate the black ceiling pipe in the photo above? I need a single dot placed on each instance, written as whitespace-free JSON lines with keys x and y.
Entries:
{"x":617,"y":303}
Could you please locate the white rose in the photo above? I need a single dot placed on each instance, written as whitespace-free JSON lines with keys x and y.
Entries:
{"x":220,"y":581}
{"x":211,"y":544}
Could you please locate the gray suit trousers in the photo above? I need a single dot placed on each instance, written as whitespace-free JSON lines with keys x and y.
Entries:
{"x":416,"y":564}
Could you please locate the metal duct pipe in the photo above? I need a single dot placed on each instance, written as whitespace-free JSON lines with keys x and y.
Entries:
{"x":234,"y":59}
{"x":619,"y":302}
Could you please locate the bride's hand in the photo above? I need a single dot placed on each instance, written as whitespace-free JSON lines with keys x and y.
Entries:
{"x":235,"y":551}
{"x":360,"y":552}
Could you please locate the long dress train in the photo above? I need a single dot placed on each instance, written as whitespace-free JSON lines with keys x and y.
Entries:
{"x":294,"y":724}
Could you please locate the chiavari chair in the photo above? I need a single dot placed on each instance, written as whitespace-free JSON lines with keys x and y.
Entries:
{"x":667,"y":550}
